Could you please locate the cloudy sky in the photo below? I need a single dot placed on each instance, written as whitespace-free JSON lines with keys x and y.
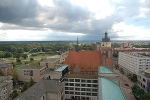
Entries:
{"x":55,"y":20}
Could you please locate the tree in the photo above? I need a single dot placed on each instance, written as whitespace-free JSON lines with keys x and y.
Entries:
{"x":1,"y":73}
{"x":134,"y":78}
{"x":115,"y":54}
{"x":25,"y":87}
{"x":18,"y":60}
{"x":117,"y":66}
{"x":24,"y":56}
{"x":15,"y":77}
{"x":31,"y":59}
{"x":14,"y":94}
{"x":146,"y":96}
{"x":31,"y":82}
{"x":138,"y":93}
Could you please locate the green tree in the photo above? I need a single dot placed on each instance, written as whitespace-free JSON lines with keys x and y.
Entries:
{"x":25,"y":87}
{"x":1,"y":73}
{"x":24,"y":56}
{"x":115,"y":54}
{"x":146,"y":96}
{"x":14,"y":94}
{"x":138,"y":93}
{"x":31,"y":59}
{"x":31,"y":82}
{"x":18,"y":60}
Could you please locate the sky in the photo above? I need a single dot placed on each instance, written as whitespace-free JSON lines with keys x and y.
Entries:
{"x":64,"y":20}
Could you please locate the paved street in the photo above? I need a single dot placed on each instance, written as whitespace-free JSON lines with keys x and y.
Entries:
{"x":126,"y":89}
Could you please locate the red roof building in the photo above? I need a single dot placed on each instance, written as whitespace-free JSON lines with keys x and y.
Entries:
{"x":85,"y":62}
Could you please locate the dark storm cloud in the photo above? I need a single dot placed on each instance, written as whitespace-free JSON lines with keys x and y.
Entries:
{"x":65,"y":16}
{"x":14,"y":11}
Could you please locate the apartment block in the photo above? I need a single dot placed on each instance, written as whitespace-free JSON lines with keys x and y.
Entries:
{"x":144,"y":80}
{"x":25,"y":73}
{"x":50,"y":63}
{"x":6,"y":86}
{"x":7,"y":69}
{"x":133,"y":62}
{"x":81,"y":87}
{"x":44,"y":90}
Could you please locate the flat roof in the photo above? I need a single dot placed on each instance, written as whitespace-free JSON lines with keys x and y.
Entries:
{"x":103,"y":69}
{"x":81,"y":76}
{"x":51,"y":60}
{"x":61,"y":67}
{"x":31,"y":67}
{"x":111,"y":90}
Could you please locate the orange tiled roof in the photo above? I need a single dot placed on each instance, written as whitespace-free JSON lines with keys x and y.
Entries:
{"x":85,"y":60}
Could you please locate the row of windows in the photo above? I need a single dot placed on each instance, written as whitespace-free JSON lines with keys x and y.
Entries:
{"x":82,"y":85}
{"x":82,"y":80}
{"x":80,"y":89}
{"x":81,"y":93}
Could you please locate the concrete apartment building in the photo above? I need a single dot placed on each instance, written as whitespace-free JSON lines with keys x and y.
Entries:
{"x":44,"y":90}
{"x":133,"y":62}
{"x":25,"y":73}
{"x":144,"y":80}
{"x":81,"y":87}
{"x":50,"y":63}
{"x":7,"y":69}
{"x":6,"y":86}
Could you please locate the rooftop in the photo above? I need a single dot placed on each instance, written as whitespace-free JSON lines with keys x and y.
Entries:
{"x":5,"y":77}
{"x":4,"y":65}
{"x":137,"y":54}
{"x":40,"y":88}
{"x":31,"y":67}
{"x":103,"y":69}
{"x":85,"y":60}
{"x":110,"y":89}
{"x":81,"y":76}
{"x":51,"y":60}
{"x":61,"y":67}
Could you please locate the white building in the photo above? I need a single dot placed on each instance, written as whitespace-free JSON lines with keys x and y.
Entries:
{"x":133,"y":62}
{"x":81,"y":87}
{"x":144,"y":80}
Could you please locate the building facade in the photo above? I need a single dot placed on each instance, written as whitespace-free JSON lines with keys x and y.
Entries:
{"x":6,"y":69}
{"x":25,"y":73}
{"x":6,"y":86}
{"x":144,"y":80}
{"x":81,"y":87}
{"x":133,"y":63}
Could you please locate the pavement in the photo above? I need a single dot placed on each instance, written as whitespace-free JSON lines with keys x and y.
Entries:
{"x":125,"y":89}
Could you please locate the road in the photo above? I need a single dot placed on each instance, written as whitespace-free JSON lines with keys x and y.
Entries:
{"x":126,"y":89}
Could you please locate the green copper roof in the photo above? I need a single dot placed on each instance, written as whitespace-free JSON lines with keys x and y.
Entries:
{"x":103,"y":69}
{"x":111,"y":90}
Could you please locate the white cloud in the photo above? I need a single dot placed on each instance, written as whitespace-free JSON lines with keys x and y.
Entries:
{"x":131,"y":32}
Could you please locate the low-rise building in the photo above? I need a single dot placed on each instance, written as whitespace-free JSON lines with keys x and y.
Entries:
{"x":6,"y":86}
{"x":58,"y":73}
{"x":144,"y":80}
{"x":7,"y":69}
{"x":25,"y":73}
{"x":50,"y":63}
{"x":132,"y":62}
{"x":44,"y":90}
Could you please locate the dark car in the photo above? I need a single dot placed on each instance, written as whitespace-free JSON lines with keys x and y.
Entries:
{"x":127,"y":84}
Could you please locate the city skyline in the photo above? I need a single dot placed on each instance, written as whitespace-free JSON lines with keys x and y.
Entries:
{"x":55,"y":20}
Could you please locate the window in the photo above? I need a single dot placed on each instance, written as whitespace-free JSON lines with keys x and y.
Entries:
{"x":77,"y":80}
{"x":94,"y":94}
{"x":89,"y":94}
{"x":71,"y":84}
{"x":82,"y":93}
{"x":77,"y":93}
{"x":77,"y":84}
{"x":82,"y":85}
{"x":88,"y":85}
{"x":88,"y":81}
{"x":82,"y":89}
{"x":66,"y":92}
{"x":77,"y":89}
{"x":143,"y":79}
{"x":71,"y":80}
{"x":82,"y":80}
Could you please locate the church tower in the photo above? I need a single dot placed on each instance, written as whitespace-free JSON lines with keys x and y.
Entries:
{"x":106,"y":51}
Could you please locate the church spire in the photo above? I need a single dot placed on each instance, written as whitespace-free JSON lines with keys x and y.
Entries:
{"x":77,"y":45}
